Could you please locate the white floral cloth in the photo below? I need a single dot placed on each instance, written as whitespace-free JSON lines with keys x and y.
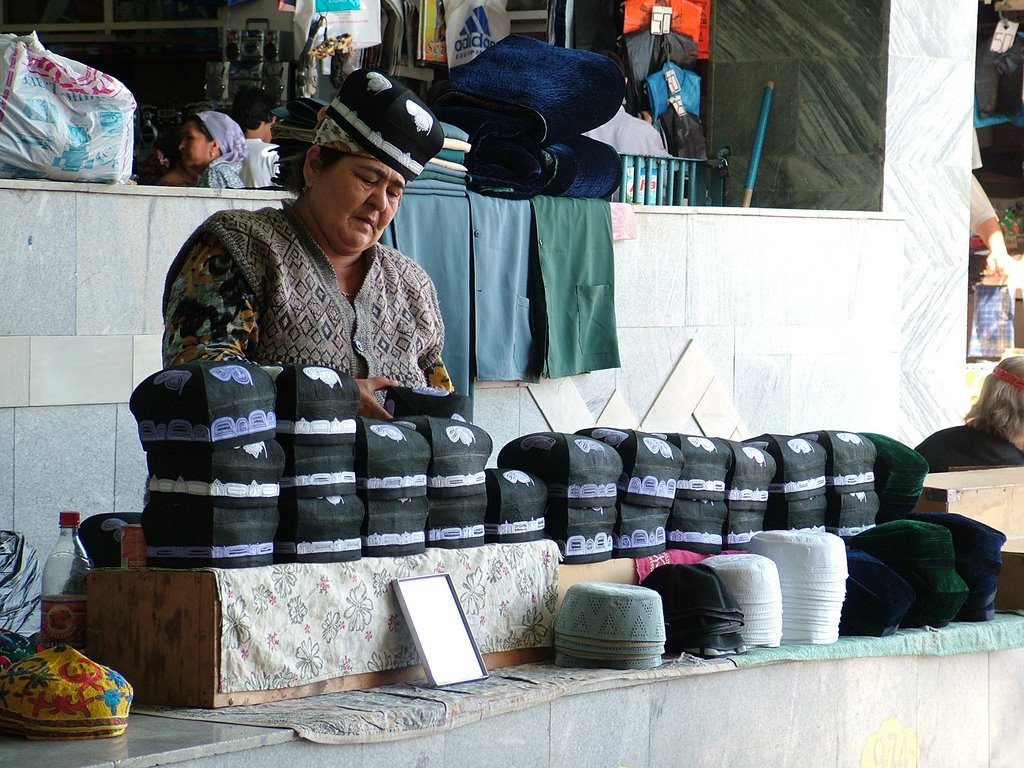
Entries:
{"x":290,"y":625}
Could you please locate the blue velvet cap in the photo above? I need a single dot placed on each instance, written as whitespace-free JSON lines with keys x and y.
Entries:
{"x":877,"y":598}
{"x":979,"y":558}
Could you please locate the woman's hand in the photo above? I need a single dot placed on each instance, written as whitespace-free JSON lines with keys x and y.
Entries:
{"x":368,"y":405}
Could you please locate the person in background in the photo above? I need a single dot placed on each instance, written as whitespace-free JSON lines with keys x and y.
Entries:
{"x":310,"y":283}
{"x":162,"y":167}
{"x":629,"y":135}
{"x":212,"y":147}
{"x":985,"y":224}
{"x":251,"y":109}
{"x":993,"y":431}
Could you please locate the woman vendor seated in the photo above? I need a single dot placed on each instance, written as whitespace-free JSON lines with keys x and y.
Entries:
{"x":310,"y":283}
{"x":993,"y":431}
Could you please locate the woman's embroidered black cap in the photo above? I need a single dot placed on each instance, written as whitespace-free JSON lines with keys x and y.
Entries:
{"x":651,"y":466}
{"x":580,"y":470}
{"x":206,"y":403}
{"x":401,"y":402}
{"x":235,"y":476}
{"x":796,"y":496}
{"x":456,"y":522}
{"x":583,"y":534}
{"x":312,"y":471}
{"x":394,"y":527}
{"x":697,"y":525}
{"x":391,"y":460}
{"x":706,"y":462}
{"x":315,"y":404}
{"x":458,"y":455}
{"x":384,"y":119}
{"x":639,"y":530}
{"x":202,"y":532}
{"x":319,"y":530}
{"x":517,"y":503}
{"x":746,"y":493}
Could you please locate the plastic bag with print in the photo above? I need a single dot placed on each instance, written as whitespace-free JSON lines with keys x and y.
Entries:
{"x":472,"y":26}
{"x":61,"y":119}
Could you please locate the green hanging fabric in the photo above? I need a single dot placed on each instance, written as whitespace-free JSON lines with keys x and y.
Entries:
{"x":574,"y":246}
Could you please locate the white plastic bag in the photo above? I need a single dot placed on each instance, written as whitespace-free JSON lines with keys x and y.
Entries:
{"x":473,"y":26}
{"x":60,"y":119}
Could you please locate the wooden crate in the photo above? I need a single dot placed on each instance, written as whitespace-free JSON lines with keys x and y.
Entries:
{"x":161,"y":630}
{"x":992,"y":496}
{"x":1010,"y":588}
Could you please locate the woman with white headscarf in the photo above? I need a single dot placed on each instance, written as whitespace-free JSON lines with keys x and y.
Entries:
{"x":213,"y":148}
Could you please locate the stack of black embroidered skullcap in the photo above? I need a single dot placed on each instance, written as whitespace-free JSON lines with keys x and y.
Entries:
{"x":923,"y":554}
{"x":214,"y":466}
{"x":852,"y":503}
{"x":746,"y":494}
{"x":899,"y":476}
{"x":702,"y":617}
{"x":796,"y":496}
{"x":392,"y":459}
{"x":321,"y":515}
{"x":646,"y":490}
{"x":516,"y":506}
{"x":456,"y":483}
{"x":581,"y":475}
{"x":611,"y":626}
{"x":427,"y":401}
{"x":979,"y":559}
{"x":698,"y":515}
{"x":753,"y":580}
{"x":812,"y":573}
{"x":877,"y":598}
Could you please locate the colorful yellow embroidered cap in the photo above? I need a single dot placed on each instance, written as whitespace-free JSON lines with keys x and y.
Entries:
{"x":60,"y":694}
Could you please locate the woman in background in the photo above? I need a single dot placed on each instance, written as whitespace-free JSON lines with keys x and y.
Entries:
{"x":213,"y":147}
{"x":993,"y":430}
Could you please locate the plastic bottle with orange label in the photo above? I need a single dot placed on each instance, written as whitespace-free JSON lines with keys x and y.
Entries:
{"x":62,"y":606}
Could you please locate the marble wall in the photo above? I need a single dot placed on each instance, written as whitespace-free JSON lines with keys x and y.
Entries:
{"x":929,"y":105}
{"x":825,"y":143}
{"x":871,"y":111}
{"x":792,"y":341}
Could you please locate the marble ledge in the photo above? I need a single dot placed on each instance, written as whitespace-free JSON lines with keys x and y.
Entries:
{"x":40,"y":185}
{"x":781,"y":213}
{"x":44,"y":185}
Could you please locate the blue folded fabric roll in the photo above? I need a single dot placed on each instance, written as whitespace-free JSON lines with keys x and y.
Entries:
{"x":539,"y":85}
{"x":581,"y":167}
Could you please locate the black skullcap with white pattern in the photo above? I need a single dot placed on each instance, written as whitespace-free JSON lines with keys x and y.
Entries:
{"x":375,"y":115}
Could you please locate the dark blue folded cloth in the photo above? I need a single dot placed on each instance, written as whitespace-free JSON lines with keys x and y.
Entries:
{"x":582,"y":167}
{"x":505,"y":162}
{"x":556,"y":93}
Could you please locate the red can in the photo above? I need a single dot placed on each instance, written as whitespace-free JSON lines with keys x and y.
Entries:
{"x":133,"y":547}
